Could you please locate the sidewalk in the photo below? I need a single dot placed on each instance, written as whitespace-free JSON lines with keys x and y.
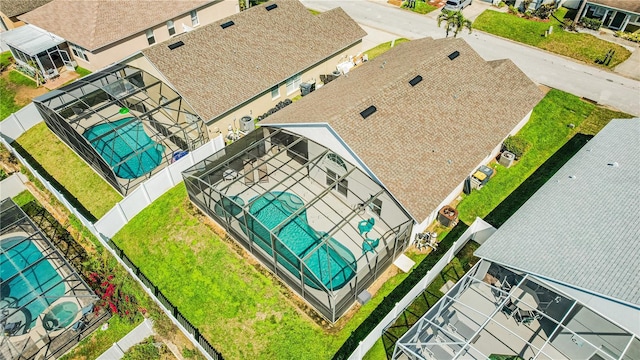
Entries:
{"x":136,"y":336}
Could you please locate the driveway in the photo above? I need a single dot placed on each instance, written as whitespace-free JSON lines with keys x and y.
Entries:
{"x":562,"y":73}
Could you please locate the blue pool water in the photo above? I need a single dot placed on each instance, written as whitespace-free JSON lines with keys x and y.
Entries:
{"x":39,"y":276}
{"x":125,"y":146}
{"x":328,"y":263}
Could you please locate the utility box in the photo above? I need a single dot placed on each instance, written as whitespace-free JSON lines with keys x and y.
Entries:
{"x":364,"y":297}
{"x":506,"y":159}
{"x":481,"y":177}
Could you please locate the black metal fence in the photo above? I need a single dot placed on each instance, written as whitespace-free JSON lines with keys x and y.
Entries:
{"x":192,"y":329}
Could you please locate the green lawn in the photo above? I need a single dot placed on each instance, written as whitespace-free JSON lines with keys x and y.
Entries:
{"x":5,"y":58}
{"x":68,"y":169}
{"x":583,"y":47}
{"x":82,"y":71}
{"x":548,"y":131}
{"x":382,"y":48}
{"x":23,"y":198}
{"x":421,"y":7}
{"x":7,"y":100}
{"x":21,"y":80}
{"x":226,"y":296}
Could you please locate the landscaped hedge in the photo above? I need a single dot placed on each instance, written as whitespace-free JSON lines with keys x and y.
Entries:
{"x":398,"y":293}
{"x":517,"y":145}
{"x":589,"y":23}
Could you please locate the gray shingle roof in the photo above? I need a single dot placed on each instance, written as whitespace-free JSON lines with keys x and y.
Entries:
{"x":583,"y":231}
{"x":97,"y":23}
{"x":460,"y":111}
{"x":216,"y":69}
{"x":13,"y":8}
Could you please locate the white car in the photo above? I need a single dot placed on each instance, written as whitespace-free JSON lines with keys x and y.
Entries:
{"x":457,"y":5}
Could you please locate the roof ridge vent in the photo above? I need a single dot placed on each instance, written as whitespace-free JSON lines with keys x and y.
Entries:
{"x":227,"y":24}
{"x":175,"y":45}
{"x":415,"y":80}
{"x":368,"y":111}
{"x":454,"y":55}
{"x":271,"y":7}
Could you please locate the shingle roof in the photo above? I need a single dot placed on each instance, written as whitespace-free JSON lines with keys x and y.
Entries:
{"x":581,"y":228}
{"x":460,"y":111}
{"x":97,"y":23}
{"x":216,"y":69}
{"x":629,"y":5}
{"x":13,"y":8}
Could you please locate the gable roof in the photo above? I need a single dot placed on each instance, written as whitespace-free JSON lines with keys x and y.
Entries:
{"x":581,"y":228}
{"x":460,"y":111}
{"x":13,"y":8}
{"x":97,"y":23}
{"x":216,"y":69}
{"x":629,"y":5}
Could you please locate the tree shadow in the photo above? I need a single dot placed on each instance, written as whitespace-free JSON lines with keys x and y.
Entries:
{"x":518,"y":197}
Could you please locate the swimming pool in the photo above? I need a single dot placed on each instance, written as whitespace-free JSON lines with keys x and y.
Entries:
{"x":126,"y":146}
{"x":38,"y":276}
{"x":330,"y":264}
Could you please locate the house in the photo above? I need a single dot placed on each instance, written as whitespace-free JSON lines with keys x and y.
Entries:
{"x":620,"y":15}
{"x":101,"y":32}
{"x":170,"y":98}
{"x":559,"y":280}
{"x":236,"y":67}
{"x":11,"y":9}
{"x":330,"y":190}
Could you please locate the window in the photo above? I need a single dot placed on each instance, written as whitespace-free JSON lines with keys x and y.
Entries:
{"x":376,"y":206}
{"x":79,"y":52}
{"x":150,"y":38}
{"x":171,"y":28}
{"x":342,"y":187}
{"x":275,"y":92}
{"x":293,"y":83}
{"x":194,"y":18}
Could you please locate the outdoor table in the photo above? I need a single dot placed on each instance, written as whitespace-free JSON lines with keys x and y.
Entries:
{"x":524,"y":298}
{"x":229,"y":174}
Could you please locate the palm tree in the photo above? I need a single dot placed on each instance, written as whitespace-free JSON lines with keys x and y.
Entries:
{"x":455,"y":21}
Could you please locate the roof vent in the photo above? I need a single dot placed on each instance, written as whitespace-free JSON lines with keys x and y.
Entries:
{"x":227,"y":24}
{"x":271,"y":7}
{"x":614,"y":164}
{"x":175,"y":45}
{"x":415,"y":80}
{"x":454,"y":55}
{"x":368,"y":111}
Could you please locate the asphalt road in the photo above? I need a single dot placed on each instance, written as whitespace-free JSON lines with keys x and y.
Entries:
{"x":545,"y":68}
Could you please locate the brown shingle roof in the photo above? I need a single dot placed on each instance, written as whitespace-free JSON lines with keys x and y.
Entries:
{"x":97,"y":23}
{"x":629,"y":5}
{"x":460,"y":111}
{"x":13,"y":8}
{"x":216,"y":69}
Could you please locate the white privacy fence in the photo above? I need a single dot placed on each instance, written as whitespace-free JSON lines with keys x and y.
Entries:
{"x":18,"y":123}
{"x":479,"y":231}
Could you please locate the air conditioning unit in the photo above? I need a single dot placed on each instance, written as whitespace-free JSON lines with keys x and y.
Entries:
{"x":506,"y":159}
{"x":246,"y":124}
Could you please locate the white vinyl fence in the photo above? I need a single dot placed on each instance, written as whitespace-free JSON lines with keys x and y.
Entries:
{"x":18,"y":123}
{"x":479,"y":231}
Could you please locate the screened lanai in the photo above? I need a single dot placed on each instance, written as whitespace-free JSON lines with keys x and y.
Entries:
{"x":318,"y":222}
{"x":495,"y":312}
{"x":126,"y":123}
{"x":43,"y":302}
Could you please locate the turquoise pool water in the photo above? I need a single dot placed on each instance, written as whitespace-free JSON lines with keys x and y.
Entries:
{"x":39,"y":277}
{"x":125,"y":146}
{"x":330,"y":264}
{"x":60,"y":316}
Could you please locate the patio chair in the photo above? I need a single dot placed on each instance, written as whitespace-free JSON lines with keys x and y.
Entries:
{"x":263,"y":173}
{"x":12,"y":327}
{"x":86,"y":311}
{"x":365,"y":226}
{"x":509,"y":308}
{"x":79,"y":325}
{"x":523,"y":316}
{"x":249,"y":178}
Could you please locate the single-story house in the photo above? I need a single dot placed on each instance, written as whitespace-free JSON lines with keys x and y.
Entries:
{"x":101,"y":32}
{"x":559,"y":279}
{"x":330,"y":190}
{"x":247,"y":63}
{"x":11,"y":9}
{"x":623,"y":15}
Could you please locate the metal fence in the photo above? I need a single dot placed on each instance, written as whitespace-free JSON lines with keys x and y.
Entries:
{"x":479,"y":231}
{"x":18,"y":123}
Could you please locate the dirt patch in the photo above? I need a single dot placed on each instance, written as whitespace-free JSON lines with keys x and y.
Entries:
{"x":24,"y":94}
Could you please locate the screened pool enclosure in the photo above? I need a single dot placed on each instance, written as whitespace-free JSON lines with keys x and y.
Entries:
{"x":315,"y":220}
{"x":44,"y":303}
{"x":124,"y":122}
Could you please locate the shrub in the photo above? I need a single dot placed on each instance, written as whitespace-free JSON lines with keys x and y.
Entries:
{"x":147,"y":350}
{"x":635,"y":37}
{"x":545,"y":11}
{"x":501,"y":4}
{"x":513,"y":10}
{"x":589,"y":23}
{"x":516,"y":145}
{"x":525,"y":5}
